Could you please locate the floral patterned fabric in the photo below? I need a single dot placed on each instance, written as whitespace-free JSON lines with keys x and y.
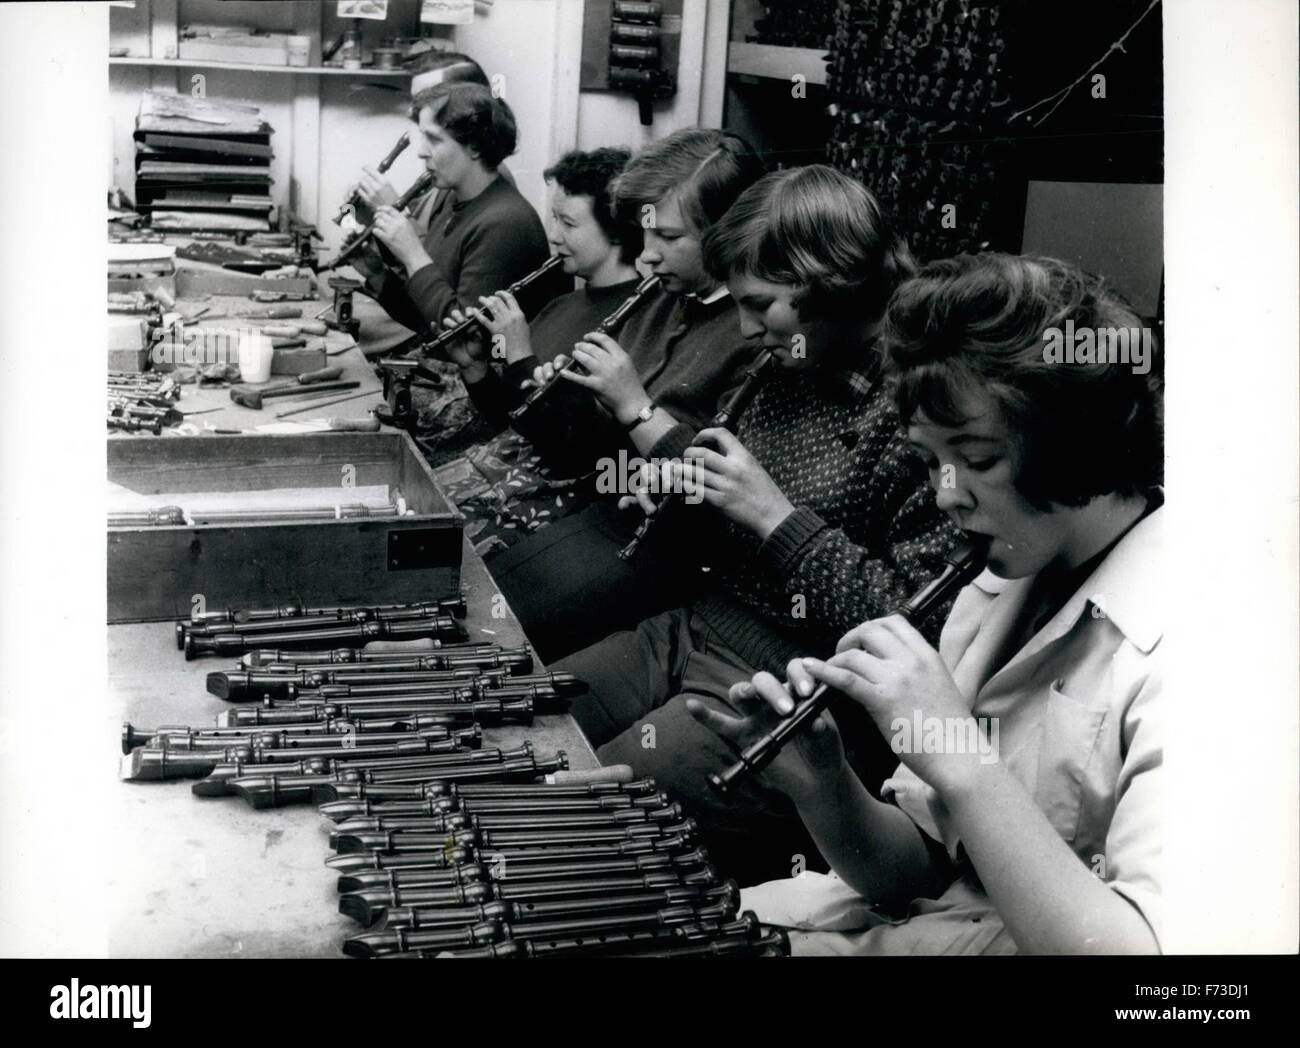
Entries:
{"x":504,"y":491}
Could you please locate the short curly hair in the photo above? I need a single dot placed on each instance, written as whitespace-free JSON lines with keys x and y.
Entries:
{"x":474,"y":117}
{"x":591,"y":174}
{"x":818,"y":230}
{"x":979,"y":324}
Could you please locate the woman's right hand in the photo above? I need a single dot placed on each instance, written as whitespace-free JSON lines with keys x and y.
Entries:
{"x":375,"y":190}
{"x":807,"y":764}
{"x":468,"y":352}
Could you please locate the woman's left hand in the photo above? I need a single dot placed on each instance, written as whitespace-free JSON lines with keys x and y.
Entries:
{"x":397,"y":233}
{"x":721,"y":469}
{"x":888,"y":668}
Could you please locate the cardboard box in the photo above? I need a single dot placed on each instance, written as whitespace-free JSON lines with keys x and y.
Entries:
{"x":155,"y":572}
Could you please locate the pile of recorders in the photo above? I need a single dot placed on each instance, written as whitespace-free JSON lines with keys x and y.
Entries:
{"x":301,"y":725}
{"x":297,"y":628}
{"x":571,"y":869}
{"x":142,"y":402}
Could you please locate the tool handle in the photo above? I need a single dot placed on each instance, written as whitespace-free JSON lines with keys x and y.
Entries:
{"x":320,"y":375}
{"x":353,"y":425}
{"x":316,"y":387}
{"x":323,"y":403}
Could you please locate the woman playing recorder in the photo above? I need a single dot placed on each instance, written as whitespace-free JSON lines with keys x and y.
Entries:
{"x":1044,"y":837}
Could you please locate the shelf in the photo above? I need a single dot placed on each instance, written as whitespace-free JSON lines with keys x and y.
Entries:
{"x":777,"y":63}
{"x":251,"y":67}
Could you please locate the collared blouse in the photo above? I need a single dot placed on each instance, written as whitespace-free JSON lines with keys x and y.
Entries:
{"x":1076,"y":716}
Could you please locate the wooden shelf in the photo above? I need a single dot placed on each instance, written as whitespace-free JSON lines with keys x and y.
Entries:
{"x":777,"y":63}
{"x":251,"y":67}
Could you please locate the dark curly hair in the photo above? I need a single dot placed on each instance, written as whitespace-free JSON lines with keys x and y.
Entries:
{"x":979,"y":324}
{"x":591,"y":174}
{"x":818,"y":230}
{"x":474,"y":117}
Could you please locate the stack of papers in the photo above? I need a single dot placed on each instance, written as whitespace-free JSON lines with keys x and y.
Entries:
{"x":202,"y":165}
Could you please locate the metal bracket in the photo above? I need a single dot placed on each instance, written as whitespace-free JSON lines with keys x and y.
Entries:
{"x":418,"y":549}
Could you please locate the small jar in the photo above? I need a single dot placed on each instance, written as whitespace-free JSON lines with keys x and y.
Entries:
{"x":350,"y":53}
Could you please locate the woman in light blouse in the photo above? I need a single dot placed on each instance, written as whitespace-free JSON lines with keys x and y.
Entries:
{"x":1045,"y":838}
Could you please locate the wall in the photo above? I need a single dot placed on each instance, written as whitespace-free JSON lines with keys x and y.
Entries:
{"x":609,"y":118}
{"x":327,"y":127}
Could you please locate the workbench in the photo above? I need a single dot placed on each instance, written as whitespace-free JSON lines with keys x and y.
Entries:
{"x":211,"y":407}
{"x":212,"y":877}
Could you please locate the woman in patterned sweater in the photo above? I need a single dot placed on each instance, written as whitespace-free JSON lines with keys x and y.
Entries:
{"x":826,"y":518}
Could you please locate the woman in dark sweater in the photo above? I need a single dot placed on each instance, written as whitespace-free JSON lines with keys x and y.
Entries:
{"x":482,"y":234}
{"x":827,"y":518}
{"x":683,"y":348}
{"x":673,"y":361}
{"x":514,"y":483}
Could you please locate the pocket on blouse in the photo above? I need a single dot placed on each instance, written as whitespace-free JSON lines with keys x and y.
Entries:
{"x":1067,"y":743}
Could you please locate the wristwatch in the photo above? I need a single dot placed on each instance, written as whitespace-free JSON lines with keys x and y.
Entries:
{"x":644,"y":415}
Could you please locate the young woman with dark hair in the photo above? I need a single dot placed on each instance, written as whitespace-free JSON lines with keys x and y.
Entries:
{"x":1044,"y":837}
{"x":821,"y":517}
{"x":674,"y":359}
{"x":513,"y":484}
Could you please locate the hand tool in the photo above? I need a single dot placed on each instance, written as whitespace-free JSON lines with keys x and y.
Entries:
{"x":326,"y":403}
{"x":309,"y":327}
{"x":342,"y":425}
{"x":322,"y":380}
{"x":269,"y":313}
{"x":283,"y":296}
